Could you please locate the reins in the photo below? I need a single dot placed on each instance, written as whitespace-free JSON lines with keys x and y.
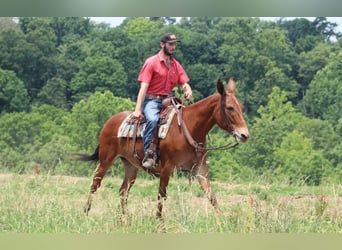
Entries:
{"x":229,"y":145}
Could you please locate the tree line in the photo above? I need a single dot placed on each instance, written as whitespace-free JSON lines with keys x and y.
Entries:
{"x":61,"y":78}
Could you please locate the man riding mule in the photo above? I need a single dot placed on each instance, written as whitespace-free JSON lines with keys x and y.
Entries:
{"x":158,"y":76}
{"x":184,"y":147}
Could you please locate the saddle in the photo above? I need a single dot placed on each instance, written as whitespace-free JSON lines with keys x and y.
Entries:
{"x":133,"y":127}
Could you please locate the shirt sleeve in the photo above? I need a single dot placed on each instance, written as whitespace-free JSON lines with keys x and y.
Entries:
{"x":146,"y":72}
{"x":183,"y":77}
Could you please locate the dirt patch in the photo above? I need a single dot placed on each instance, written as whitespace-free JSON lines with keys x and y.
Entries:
{"x":6,"y":176}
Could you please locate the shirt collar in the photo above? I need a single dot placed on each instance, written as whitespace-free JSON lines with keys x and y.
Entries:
{"x":161,"y":58}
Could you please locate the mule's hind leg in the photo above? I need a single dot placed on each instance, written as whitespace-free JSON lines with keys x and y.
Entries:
{"x":128,"y":181}
{"x":100,"y":172}
{"x":163,"y":183}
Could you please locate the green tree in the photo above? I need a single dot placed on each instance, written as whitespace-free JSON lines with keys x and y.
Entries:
{"x":305,"y":35}
{"x":8,"y":23}
{"x":277,"y":119}
{"x":324,"y":95}
{"x":203,"y":79}
{"x":199,"y":24}
{"x":139,"y":28}
{"x":323,"y":136}
{"x":30,"y":53}
{"x":257,"y":60}
{"x":163,"y":20}
{"x":13,"y":94}
{"x":54,"y":93}
{"x":298,"y":28}
{"x":55,"y":157}
{"x":99,"y":74}
{"x":22,"y":134}
{"x":273,"y":77}
{"x":299,"y":162}
{"x":39,"y":32}
{"x":11,"y":159}
{"x":14,"y":51}
{"x":195,"y":47}
{"x":63,"y":26}
{"x":325,"y":28}
{"x":88,"y":117}
{"x":309,"y":63}
{"x":101,"y":48}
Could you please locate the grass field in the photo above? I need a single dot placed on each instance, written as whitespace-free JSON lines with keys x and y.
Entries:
{"x":43,"y":203}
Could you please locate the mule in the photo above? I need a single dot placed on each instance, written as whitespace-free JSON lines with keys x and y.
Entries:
{"x":184,"y":147}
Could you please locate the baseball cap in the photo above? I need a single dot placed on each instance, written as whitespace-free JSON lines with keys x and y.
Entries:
{"x":169,"y":38}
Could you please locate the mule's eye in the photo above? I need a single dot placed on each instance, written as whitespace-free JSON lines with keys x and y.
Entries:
{"x":230,"y":109}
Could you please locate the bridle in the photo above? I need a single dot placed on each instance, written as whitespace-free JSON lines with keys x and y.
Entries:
{"x":229,"y":124}
{"x":201,"y":146}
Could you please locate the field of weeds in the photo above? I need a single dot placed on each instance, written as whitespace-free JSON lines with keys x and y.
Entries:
{"x":54,"y":204}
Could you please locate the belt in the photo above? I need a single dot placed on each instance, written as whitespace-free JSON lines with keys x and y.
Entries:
{"x":155,"y":96}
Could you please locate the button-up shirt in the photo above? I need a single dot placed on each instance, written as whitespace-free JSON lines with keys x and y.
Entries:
{"x":162,"y":79}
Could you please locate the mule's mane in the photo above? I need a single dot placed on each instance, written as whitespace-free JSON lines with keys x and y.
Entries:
{"x":209,"y":99}
{"x":199,"y":116}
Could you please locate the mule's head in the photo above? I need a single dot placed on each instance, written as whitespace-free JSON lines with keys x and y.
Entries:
{"x":231,"y":112}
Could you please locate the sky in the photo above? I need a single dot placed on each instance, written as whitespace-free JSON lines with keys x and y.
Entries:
{"x":115,"y":21}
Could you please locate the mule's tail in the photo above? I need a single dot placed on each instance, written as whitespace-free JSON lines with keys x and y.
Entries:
{"x":86,"y":157}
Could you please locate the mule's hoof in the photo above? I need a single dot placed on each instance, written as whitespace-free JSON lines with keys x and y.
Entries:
{"x":86,"y":210}
{"x":218,"y":211}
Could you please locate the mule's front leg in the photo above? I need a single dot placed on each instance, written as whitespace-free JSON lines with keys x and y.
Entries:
{"x":203,"y":179}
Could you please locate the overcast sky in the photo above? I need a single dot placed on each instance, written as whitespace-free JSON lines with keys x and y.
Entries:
{"x":114,"y":21}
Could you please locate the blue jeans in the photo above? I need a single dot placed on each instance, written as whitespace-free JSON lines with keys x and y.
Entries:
{"x":151,"y":110}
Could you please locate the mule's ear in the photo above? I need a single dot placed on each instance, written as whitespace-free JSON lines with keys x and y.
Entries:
{"x":231,"y":85}
{"x":220,"y":87}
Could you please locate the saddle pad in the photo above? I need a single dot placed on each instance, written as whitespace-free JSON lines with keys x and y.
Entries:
{"x":126,"y":128}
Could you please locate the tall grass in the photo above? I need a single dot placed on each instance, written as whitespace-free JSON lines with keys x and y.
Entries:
{"x":52,"y":204}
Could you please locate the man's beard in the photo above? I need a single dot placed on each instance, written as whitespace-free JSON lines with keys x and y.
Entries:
{"x":167,"y":52}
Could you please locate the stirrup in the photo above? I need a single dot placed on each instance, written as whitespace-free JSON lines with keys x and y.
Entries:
{"x":149,"y":163}
{"x":149,"y":160}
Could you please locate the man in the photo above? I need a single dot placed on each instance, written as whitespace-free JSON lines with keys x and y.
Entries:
{"x":158,"y":76}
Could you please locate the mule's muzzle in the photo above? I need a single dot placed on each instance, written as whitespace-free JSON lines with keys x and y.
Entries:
{"x":241,"y":135}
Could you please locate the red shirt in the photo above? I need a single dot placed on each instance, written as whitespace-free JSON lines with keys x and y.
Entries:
{"x":160,"y":78}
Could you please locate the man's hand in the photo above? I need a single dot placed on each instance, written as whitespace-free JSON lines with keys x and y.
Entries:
{"x":187,"y":91}
{"x":188,"y":95}
{"x":137,"y":114}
